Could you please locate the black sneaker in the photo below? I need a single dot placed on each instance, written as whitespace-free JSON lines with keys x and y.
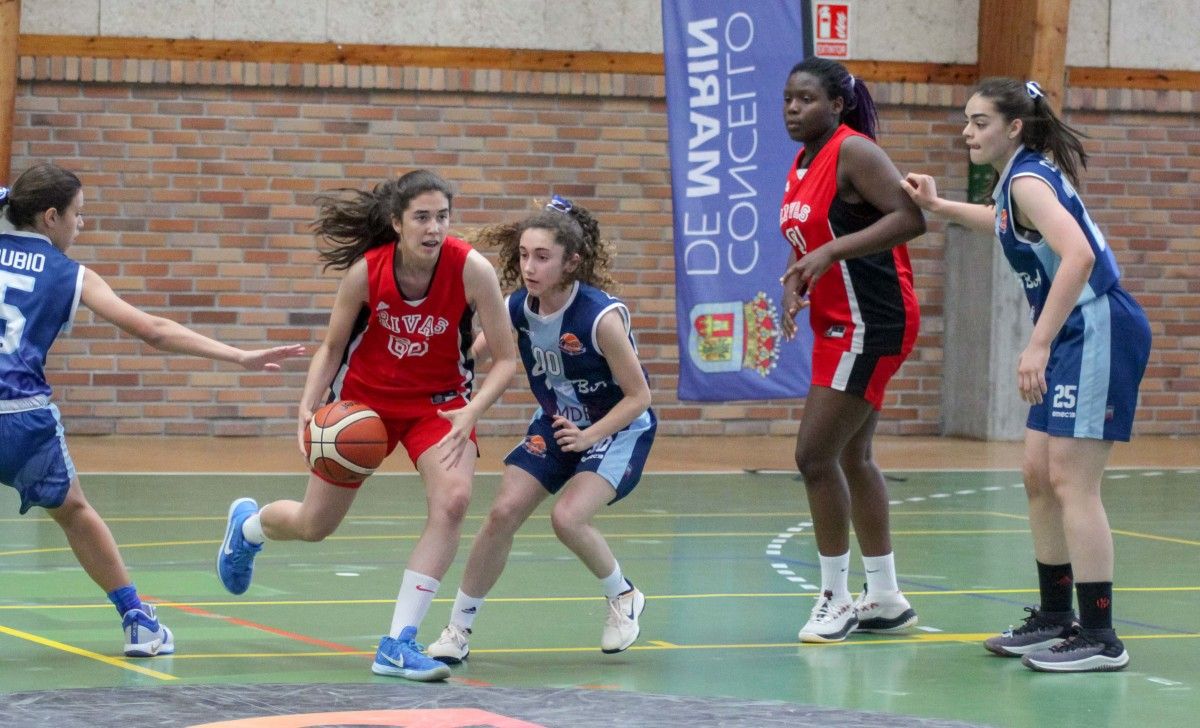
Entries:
{"x":1085,"y":650}
{"x":1040,"y":631}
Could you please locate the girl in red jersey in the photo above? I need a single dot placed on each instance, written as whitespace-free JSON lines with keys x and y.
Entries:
{"x":399,"y":340}
{"x":847,"y":222}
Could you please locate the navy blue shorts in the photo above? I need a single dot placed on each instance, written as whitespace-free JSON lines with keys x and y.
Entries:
{"x":34,"y":459}
{"x":619,"y":459}
{"x":1095,"y":368}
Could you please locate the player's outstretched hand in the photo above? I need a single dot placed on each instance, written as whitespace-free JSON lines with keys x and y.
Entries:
{"x":267,"y":360}
{"x":921,"y":188}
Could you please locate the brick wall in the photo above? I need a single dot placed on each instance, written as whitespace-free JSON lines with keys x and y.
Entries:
{"x":200,"y":176}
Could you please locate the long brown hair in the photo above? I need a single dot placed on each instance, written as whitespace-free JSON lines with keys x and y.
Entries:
{"x":1041,"y":129}
{"x":354,"y":224}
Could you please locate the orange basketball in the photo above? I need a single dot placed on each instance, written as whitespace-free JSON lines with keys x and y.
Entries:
{"x":345,"y":442}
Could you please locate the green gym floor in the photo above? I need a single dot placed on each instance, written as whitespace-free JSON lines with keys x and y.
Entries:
{"x":727,"y":562}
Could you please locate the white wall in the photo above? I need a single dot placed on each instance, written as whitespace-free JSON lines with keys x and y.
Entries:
{"x":1118,"y":33}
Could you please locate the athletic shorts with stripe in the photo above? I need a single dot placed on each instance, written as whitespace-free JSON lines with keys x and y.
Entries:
{"x":1095,"y":368}
{"x":619,"y":459}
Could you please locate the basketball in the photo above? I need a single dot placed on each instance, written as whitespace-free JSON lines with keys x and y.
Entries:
{"x":345,"y":442}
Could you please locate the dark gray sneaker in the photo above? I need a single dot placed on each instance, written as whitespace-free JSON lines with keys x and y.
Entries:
{"x":1085,"y":650}
{"x":1040,"y":631}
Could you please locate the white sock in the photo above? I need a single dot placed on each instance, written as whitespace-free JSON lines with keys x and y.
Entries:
{"x":416,"y":594}
{"x":881,"y":573}
{"x":835,"y":576}
{"x":615,"y":583}
{"x":466,"y":608}
{"x":252,"y":529}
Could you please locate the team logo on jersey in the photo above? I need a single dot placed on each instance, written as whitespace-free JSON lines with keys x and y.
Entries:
{"x":1002,"y":224}
{"x":837,"y":331}
{"x":535,"y":445}
{"x":735,"y":335}
{"x":401,"y":347}
{"x":570,"y":344}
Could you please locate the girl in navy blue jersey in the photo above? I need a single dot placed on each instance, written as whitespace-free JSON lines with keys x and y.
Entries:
{"x":40,"y":289}
{"x":589,"y":439}
{"x":1079,"y":372}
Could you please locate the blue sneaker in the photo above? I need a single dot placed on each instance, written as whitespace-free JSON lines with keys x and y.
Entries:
{"x":145,"y":636}
{"x":403,"y":657}
{"x":235,"y":558}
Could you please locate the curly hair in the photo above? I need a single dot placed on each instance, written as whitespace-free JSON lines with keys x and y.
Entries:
{"x":576,"y":230}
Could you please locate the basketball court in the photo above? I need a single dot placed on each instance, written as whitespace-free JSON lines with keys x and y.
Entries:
{"x":724,"y":554}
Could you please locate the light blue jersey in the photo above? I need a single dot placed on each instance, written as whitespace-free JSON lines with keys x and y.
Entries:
{"x":1100,"y":354}
{"x":570,"y":377}
{"x":1034,"y":262}
{"x":568,"y":373}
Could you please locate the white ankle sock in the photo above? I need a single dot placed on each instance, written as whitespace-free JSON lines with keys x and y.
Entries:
{"x":252,"y":529}
{"x":835,"y":576}
{"x":466,"y":608}
{"x":881,"y":573}
{"x":416,"y":594}
{"x":614,"y":584}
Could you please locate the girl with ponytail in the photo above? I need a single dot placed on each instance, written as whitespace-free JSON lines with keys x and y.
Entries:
{"x":1079,"y":372}
{"x":848,"y":224}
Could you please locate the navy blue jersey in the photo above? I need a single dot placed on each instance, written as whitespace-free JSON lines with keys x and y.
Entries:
{"x":39,"y":292}
{"x":1034,"y":262}
{"x":567,"y":371}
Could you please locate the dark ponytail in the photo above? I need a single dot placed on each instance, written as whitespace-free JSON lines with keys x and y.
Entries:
{"x":858,"y":108}
{"x":41,"y":187}
{"x":354,"y":224}
{"x":1041,"y":129}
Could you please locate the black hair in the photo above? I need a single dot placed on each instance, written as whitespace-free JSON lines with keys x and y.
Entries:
{"x":575,"y":229}
{"x":858,"y":108}
{"x":354,"y":224}
{"x":42,"y":187}
{"x":1041,"y":129}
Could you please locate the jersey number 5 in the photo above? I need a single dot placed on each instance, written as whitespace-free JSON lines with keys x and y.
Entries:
{"x":10,"y":315}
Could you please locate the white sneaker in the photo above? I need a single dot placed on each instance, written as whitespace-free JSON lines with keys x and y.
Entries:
{"x":621,"y":627}
{"x":451,"y":648}
{"x":830,"y":621}
{"x":883,"y":613}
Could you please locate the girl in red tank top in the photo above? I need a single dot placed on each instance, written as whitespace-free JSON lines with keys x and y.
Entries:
{"x":398,"y":340}
{"x":847,"y":221}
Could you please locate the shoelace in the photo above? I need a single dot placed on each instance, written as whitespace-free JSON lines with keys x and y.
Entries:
{"x":1077,"y":640}
{"x":616,"y":613}
{"x":1034,"y":622}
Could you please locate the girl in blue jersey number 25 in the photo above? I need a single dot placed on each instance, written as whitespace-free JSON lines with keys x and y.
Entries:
{"x":1079,"y":372}
{"x":593,"y":429}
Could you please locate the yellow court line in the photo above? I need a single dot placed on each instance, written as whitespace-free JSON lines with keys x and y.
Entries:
{"x":534,"y":536}
{"x":1152,"y":537}
{"x":114,"y":662}
{"x":970,"y":638}
{"x":592,"y":598}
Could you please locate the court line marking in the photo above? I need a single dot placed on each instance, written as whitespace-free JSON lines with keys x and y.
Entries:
{"x":967,"y":638}
{"x":161,"y":603}
{"x":64,"y":647}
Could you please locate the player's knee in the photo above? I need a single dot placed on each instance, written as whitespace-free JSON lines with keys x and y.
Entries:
{"x":451,"y":505}
{"x":566,"y":521}
{"x":504,"y":518}
{"x":813,"y":465}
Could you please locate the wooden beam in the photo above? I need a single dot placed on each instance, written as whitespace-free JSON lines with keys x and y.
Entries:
{"x":10,"y":29}
{"x":1025,"y":39}
{"x":1155,"y":79}
{"x":340,"y":53}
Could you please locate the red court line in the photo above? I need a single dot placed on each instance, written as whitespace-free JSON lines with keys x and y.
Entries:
{"x":261,"y":627}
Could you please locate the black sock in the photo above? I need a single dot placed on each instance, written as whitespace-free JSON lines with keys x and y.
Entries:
{"x":1095,"y":604}
{"x":1055,"y":582}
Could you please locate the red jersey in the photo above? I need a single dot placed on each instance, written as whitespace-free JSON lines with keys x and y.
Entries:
{"x":410,"y":353}
{"x":863,"y":305}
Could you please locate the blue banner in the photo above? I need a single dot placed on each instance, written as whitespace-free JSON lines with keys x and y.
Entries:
{"x":726,"y":65}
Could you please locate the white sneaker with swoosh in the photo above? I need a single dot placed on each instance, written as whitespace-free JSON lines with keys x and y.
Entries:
{"x":621,"y":628}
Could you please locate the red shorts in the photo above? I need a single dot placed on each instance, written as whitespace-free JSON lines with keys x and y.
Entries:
{"x":419,"y":429}
{"x":864,"y":375}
